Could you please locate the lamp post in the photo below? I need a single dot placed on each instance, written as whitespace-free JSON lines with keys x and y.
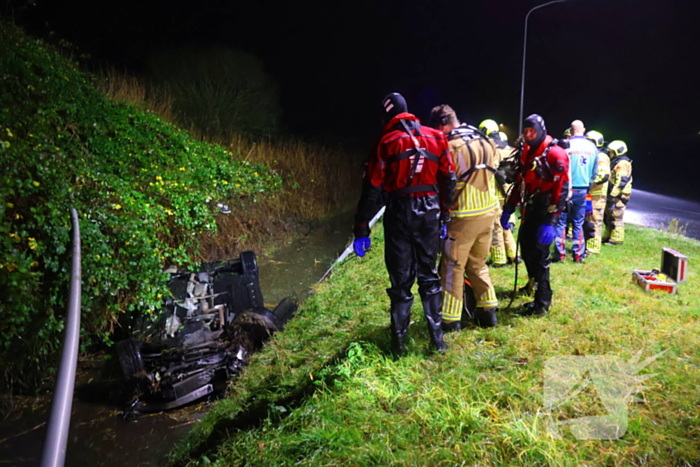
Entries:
{"x":522,"y":81}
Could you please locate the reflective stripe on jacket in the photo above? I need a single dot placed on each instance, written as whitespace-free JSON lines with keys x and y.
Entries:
{"x":476,"y":193}
{"x":600,"y":184}
{"x":620,"y":176}
{"x":389,"y":172}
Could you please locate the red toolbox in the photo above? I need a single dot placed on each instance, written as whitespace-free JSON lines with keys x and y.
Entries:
{"x":674,"y":270}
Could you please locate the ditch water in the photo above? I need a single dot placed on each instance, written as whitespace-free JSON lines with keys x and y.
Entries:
{"x":99,"y":435}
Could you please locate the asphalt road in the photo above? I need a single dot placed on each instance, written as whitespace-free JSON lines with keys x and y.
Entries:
{"x":652,"y":210}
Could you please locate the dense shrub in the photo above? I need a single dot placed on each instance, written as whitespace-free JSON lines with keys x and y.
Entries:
{"x":144,"y":191}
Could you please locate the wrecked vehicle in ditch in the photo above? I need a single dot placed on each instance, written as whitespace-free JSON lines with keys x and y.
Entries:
{"x":203,"y":336}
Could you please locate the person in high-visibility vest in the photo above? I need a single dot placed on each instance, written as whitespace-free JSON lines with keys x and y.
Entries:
{"x":619,"y":191}
{"x":470,"y":229}
{"x":503,"y":248}
{"x":599,"y":193}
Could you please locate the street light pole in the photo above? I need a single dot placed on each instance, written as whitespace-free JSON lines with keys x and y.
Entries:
{"x":522,"y":80}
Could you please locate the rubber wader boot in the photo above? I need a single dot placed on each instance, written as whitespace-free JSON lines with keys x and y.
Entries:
{"x":400,"y":319}
{"x":486,"y":318}
{"x":432,"y":306}
{"x":452,"y":326}
{"x":533,"y":309}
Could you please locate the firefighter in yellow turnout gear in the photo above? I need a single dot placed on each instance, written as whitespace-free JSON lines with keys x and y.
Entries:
{"x":503,"y":248}
{"x":619,"y":191}
{"x":599,"y":192}
{"x":471,"y":225}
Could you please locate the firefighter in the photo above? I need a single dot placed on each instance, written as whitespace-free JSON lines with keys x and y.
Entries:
{"x":599,"y":193}
{"x":470,"y":230}
{"x":411,"y":164}
{"x":503,"y":249}
{"x":541,"y":189}
{"x":619,"y":191}
{"x":583,"y":164}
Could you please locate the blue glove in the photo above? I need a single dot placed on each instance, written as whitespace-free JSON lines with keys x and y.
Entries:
{"x":546,"y":234}
{"x":361,"y":245}
{"x":505,"y":218}
{"x":589,"y":208}
{"x":443,"y":231}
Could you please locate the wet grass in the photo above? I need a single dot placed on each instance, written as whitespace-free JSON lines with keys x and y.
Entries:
{"x":326,"y":391}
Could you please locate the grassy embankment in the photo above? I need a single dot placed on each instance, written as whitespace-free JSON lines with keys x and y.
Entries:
{"x":317,"y":181}
{"x":146,"y":192}
{"x":326,"y":392}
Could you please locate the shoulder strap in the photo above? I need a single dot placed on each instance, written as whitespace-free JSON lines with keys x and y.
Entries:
{"x":473,"y":165}
{"x":416,"y":149}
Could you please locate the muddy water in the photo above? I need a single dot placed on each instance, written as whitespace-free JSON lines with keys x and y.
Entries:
{"x":99,"y":435}
{"x":294,"y":268}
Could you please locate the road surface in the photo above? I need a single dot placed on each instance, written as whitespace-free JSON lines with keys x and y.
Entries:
{"x":652,"y":210}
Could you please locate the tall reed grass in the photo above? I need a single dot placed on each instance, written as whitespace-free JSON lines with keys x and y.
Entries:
{"x":126,"y":88}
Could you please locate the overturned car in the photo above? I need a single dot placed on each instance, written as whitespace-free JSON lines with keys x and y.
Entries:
{"x":204,"y":334}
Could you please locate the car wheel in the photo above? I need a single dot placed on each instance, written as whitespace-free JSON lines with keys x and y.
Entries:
{"x":130,"y":360}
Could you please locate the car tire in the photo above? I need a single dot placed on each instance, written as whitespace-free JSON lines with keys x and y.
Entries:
{"x":249,"y":263}
{"x":129,"y":354}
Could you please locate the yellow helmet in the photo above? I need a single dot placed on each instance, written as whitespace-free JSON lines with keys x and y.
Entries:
{"x":567,"y":132}
{"x":488,"y":126}
{"x":503,"y":136}
{"x":617,"y":148}
{"x":596,"y":138}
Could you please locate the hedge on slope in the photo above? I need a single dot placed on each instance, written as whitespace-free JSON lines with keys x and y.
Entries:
{"x":144,"y":191}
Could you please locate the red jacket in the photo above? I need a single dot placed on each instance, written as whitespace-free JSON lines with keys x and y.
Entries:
{"x":547,"y":177}
{"x":391,"y":174}
{"x":390,"y":165}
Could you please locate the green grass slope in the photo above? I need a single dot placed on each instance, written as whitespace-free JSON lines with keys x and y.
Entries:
{"x":145,"y":191}
{"x":325,"y":391}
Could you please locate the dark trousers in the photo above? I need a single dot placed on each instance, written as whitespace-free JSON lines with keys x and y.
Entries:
{"x":576,"y":215}
{"x":412,"y":239}
{"x":536,"y":255}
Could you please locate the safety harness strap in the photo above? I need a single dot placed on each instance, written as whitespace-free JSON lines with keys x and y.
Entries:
{"x":413,"y":189}
{"x":500,"y":178}
{"x":406,"y":154}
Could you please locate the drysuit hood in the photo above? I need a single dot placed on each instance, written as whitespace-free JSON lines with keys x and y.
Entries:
{"x":536,"y":122}
{"x":392,"y":105}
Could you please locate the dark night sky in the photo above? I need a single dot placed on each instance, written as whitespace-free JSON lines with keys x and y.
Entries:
{"x":625,"y":67}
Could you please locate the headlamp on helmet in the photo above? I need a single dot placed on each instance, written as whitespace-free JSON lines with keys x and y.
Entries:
{"x":617,"y":148}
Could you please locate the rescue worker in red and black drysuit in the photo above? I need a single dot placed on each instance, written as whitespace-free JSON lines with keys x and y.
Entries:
{"x":412,"y":166}
{"x":541,"y":189}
